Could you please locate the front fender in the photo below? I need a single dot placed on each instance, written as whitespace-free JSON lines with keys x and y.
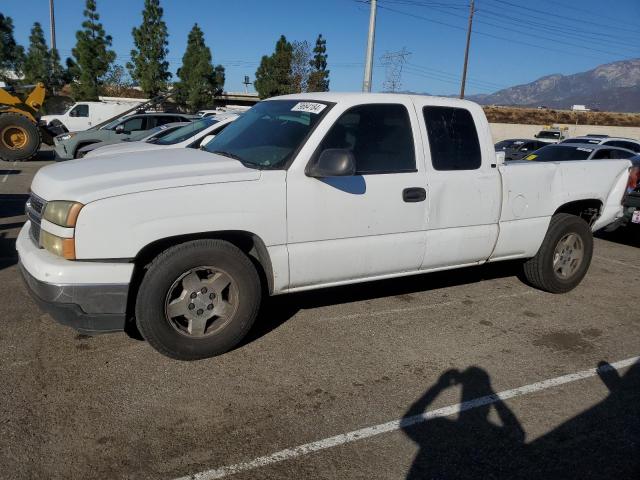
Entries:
{"x":120,"y":227}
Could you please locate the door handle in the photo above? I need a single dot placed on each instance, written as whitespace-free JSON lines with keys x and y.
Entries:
{"x":415,"y":194}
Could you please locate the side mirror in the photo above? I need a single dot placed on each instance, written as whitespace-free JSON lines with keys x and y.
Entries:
{"x":120,"y":129}
{"x":333,"y":162}
{"x":206,"y":140}
{"x":536,"y":136}
{"x":500,"y":158}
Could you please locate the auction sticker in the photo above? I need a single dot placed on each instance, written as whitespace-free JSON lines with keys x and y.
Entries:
{"x":310,"y":107}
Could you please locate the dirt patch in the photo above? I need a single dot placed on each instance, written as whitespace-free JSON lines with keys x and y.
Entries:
{"x":533,"y":116}
{"x":564,"y":341}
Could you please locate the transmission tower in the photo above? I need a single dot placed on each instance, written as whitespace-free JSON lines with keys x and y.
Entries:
{"x":393,"y":63}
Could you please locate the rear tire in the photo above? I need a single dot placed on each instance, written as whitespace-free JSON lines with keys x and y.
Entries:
{"x":19,"y":138}
{"x":198,"y":299}
{"x":564,"y":257}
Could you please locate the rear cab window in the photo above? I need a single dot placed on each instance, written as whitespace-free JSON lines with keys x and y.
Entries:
{"x":453,"y":138}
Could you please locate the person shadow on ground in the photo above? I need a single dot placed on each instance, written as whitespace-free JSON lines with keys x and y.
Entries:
{"x":471,"y":446}
{"x":602,"y":442}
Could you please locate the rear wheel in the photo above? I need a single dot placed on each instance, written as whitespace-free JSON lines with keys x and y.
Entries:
{"x":198,"y":299}
{"x":564,"y":257}
{"x":19,"y":137}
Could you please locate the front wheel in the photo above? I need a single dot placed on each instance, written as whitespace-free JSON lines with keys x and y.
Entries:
{"x":564,"y":257}
{"x":198,"y":299}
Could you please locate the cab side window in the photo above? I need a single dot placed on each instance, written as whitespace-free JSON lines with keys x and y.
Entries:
{"x":378,"y":135}
{"x":453,"y":139}
{"x":80,"y":111}
{"x":134,"y":124}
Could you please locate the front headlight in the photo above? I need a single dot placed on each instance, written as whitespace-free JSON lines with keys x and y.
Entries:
{"x":65,"y":136}
{"x":62,"y":213}
{"x":62,"y":247}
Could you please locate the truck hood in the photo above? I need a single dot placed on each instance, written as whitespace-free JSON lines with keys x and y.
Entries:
{"x":89,"y":179}
{"x":126,"y":147}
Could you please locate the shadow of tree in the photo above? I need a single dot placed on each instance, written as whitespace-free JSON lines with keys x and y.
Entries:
{"x":603,"y":442}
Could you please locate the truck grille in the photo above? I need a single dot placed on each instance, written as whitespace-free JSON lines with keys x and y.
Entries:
{"x":34,"y":209}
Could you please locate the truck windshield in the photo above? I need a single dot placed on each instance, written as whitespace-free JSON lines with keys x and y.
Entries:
{"x":268,"y":135}
{"x":184,"y":133}
{"x":560,"y":153}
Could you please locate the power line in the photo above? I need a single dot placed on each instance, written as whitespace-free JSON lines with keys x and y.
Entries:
{"x":485,"y":34}
{"x":520,"y":32}
{"x":559,"y":23}
{"x":569,"y":18}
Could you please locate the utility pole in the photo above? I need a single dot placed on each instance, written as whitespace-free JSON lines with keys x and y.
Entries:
{"x":466,"y":50}
{"x":53,"y":25}
{"x":371,"y":39}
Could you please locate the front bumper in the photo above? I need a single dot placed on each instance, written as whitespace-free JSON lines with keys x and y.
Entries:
{"x":90,"y":309}
{"x":63,"y":150}
{"x":70,"y":290}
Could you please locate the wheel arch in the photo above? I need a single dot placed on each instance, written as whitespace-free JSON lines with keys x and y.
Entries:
{"x":248,"y":242}
{"x":589,"y":209}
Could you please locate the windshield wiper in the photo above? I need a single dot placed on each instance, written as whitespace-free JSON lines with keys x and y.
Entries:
{"x":228,"y":154}
{"x":239,"y":158}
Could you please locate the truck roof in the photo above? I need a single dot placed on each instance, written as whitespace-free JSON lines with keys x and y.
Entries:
{"x":360,"y":97}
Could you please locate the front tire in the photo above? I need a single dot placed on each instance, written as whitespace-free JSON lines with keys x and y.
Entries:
{"x":198,"y":299}
{"x":564,"y":257}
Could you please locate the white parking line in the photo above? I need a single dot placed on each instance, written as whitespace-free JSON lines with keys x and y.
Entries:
{"x":394,"y":425}
{"x":6,"y":175}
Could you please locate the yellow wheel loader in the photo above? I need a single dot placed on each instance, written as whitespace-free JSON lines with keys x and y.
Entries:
{"x":20,"y":134}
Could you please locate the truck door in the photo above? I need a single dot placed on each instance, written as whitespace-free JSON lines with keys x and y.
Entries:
{"x":367,"y":225}
{"x":465,"y":188}
{"x":78,"y":118}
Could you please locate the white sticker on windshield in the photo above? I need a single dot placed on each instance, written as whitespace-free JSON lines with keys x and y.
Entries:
{"x":309,"y":107}
{"x":585,"y":149}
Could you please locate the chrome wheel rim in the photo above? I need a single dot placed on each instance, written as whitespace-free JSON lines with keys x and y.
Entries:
{"x":201,"y":302}
{"x":568,"y":256}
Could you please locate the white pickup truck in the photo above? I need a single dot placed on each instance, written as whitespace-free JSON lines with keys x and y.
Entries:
{"x":301,"y":192}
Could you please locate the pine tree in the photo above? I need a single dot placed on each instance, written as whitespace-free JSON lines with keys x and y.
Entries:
{"x":319,"y":76}
{"x":148,"y":65}
{"x":41,"y":64}
{"x":273,"y":76}
{"x":300,"y":66}
{"x":92,"y":55}
{"x":199,"y":80}
{"x":11,"y":54}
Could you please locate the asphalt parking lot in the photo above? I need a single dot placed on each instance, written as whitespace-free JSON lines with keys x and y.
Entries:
{"x":311,"y":392}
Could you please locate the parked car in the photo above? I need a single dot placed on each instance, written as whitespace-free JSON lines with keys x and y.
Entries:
{"x":550,"y":134}
{"x":631,"y":201}
{"x":83,"y":115}
{"x":144,"y":136}
{"x":67,"y":145}
{"x":627,"y":143}
{"x":301,"y":192}
{"x":517,"y":149}
{"x":191,"y":135}
{"x":578,"y":151}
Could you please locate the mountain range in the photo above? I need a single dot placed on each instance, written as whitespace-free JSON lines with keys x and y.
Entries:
{"x":613,"y":87}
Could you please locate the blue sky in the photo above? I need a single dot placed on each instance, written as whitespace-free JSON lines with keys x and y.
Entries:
{"x":514,"y":41}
